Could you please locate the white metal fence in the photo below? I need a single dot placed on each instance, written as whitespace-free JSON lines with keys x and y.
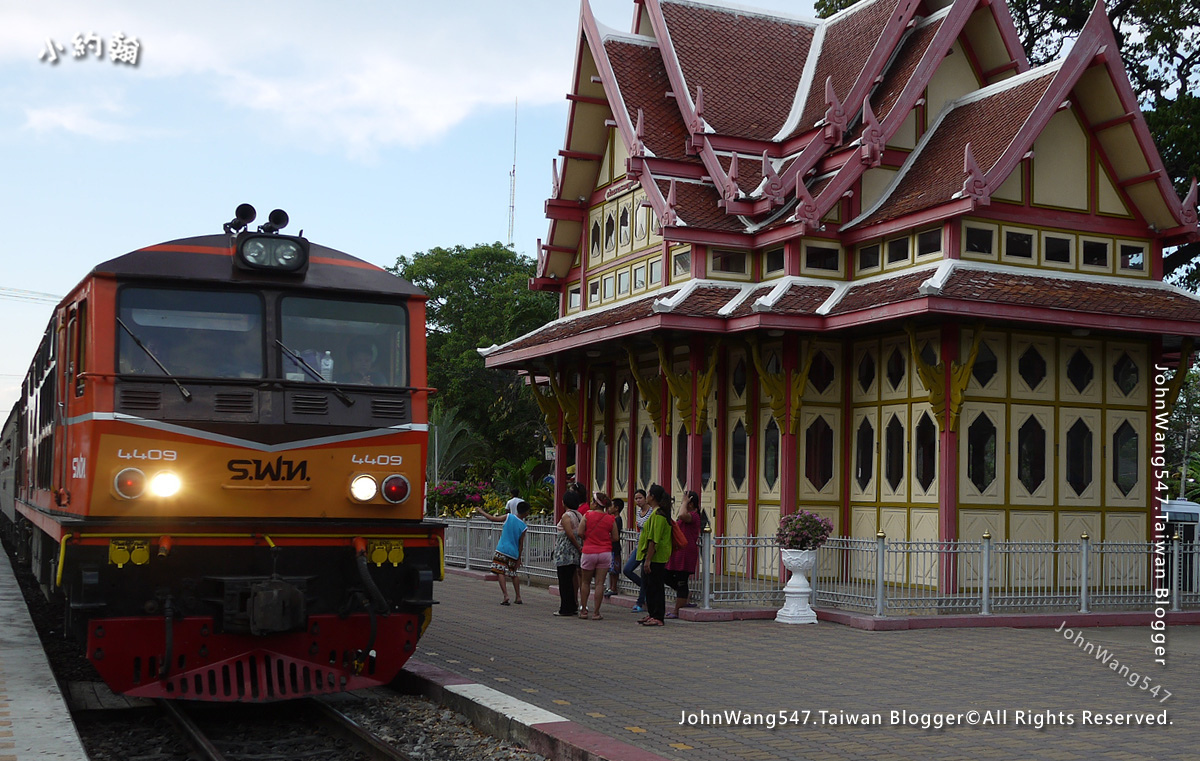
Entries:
{"x":903,"y":577}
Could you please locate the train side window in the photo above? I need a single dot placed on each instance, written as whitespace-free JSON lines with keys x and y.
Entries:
{"x":79,"y":338}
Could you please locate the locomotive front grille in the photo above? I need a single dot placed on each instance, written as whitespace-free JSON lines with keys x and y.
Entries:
{"x":307,"y":404}
{"x":141,"y":399}
{"x":234,"y":403}
{"x":394,"y":409}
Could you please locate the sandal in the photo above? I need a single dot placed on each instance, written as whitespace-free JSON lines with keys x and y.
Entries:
{"x":518,"y":601}
{"x":597,"y":617}
{"x":643,"y":619}
{"x":671,"y":615}
{"x":504,"y":602}
{"x":653,"y":622}
{"x":583,"y":614}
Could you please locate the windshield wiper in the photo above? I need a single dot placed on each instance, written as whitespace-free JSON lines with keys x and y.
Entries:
{"x":316,"y":375}
{"x":187,"y":396}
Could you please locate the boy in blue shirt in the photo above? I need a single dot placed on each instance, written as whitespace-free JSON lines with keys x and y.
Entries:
{"x":507,"y":559}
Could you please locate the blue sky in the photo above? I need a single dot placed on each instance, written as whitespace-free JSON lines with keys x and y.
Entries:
{"x":382,"y":128}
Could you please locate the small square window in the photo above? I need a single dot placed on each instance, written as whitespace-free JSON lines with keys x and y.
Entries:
{"x":682,"y":266}
{"x":733,"y":262}
{"x":655,"y":271}
{"x":639,"y":277}
{"x":1018,"y":245}
{"x":1057,"y":249}
{"x":929,"y":242}
{"x":608,"y":287}
{"x":574,"y":298}
{"x":775,"y":260}
{"x":868,"y":257}
{"x":1095,"y":253}
{"x":821,"y":258}
{"x":897,"y":251}
{"x":1133,"y":257}
{"x":594,"y":292}
{"x":622,"y":282}
{"x":980,"y":240}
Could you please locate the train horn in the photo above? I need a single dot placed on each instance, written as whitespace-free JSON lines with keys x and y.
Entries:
{"x":243,"y":215}
{"x":277,"y":220}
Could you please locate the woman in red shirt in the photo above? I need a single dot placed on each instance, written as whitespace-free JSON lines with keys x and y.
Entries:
{"x":599,"y":529}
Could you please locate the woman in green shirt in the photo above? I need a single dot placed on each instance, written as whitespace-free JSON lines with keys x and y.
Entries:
{"x":654,"y":550}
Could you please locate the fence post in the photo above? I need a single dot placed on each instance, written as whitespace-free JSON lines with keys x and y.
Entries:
{"x":467,"y":529}
{"x":1085,"y":546}
{"x":880,"y":564}
{"x":985,"y":584}
{"x":1176,"y":573}
{"x":706,"y":565}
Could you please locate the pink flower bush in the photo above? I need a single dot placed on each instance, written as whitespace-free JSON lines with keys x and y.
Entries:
{"x":803,"y":530}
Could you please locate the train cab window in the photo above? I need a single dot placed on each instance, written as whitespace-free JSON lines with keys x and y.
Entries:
{"x":345,"y":342}
{"x":196,"y":334}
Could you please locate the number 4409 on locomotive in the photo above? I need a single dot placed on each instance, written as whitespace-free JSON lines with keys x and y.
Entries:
{"x":217,"y":465}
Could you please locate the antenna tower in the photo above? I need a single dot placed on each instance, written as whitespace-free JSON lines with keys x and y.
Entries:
{"x":512,"y":179}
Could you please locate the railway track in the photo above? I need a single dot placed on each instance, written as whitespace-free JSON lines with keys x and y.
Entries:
{"x":301,"y":729}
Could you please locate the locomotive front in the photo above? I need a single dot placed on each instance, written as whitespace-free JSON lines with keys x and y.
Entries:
{"x":242,"y":516}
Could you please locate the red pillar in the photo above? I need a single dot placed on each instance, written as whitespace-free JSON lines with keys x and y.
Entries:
{"x":789,"y":465}
{"x":695,"y":460}
{"x":948,"y":467}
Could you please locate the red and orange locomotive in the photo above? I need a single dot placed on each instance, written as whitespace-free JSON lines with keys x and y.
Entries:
{"x":217,"y":463}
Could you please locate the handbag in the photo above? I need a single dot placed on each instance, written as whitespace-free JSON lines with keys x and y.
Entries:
{"x":679,"y":539}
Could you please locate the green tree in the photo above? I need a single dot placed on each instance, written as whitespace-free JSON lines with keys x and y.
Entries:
{"x":452,"y":445}
{"x":478,"y":297}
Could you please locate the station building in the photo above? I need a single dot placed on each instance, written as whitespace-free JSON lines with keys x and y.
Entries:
{"x":875,"y":266}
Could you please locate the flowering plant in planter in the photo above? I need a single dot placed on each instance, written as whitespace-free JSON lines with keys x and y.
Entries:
{"x":803,"y":530}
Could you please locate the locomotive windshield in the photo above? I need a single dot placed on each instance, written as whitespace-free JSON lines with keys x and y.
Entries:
{"x":192,"y":333}
{"x":346,"y":342}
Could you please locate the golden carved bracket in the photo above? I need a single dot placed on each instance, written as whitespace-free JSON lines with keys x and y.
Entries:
{"x":550,"y":410}
{"x":679,"y":385}
{"x":932,"y":378}
{"x":1181,"y":373}
{"x":649,"y":391}
{"x":776,"y":386}
{"x":568,"y":402}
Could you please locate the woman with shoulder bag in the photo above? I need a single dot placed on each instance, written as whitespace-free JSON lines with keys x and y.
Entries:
{"x":685,"y":558}
{"x":567,"y":547}
{"x":654,"y":550}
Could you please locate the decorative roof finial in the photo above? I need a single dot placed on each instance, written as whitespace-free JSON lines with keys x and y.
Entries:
{"x":806,"y":209}
{"x":873,"y":143}
{"x":670,"y":217}
{"x":639,"y":147}
{"x":975,"y":186}
{"x":1189,"y":205}
{"x":731,"y":186}
{"x":835,"y":115}
{"x":554,"y":181}
{"x":773,"y":190}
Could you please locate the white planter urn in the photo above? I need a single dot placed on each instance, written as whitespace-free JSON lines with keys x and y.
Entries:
{"x":796,"y":609}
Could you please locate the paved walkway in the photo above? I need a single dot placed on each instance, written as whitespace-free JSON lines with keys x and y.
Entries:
{"x":34,"y":721}
{"x":634,"y":684}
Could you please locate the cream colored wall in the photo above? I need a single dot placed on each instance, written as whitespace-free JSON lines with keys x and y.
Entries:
{"x":952,"y":79}
{"x":874,"y":182}
{"x":1109,"y":201}
{"x":1060,"y":164}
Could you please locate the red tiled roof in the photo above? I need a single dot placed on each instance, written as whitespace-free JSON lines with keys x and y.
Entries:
{"x":588,"y":321}
{"x":706,"y":300}
{"x":847,"y":44}
{"x":746,"y":307}
{"x":748,"y":63}
{"x":696,"y":205}
{"x":802,"y":299}
{"x":1074,"y":295}
{"x":644,"y":84}
{"x":876,"y":293}
{"x":749,"y":170}
{"x":935,"y":173}
{"x":901,"y":70}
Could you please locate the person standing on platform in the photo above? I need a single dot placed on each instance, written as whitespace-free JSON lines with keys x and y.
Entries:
{"x":654,"y":550}
{"x":507,"y":558}
{"x":614,"y":569}
{"x":599,"y":533}
{"x":631,"y":565}
{"x":567,"y":547}
{"x":512,"y":503}
{"x":684,"y":559}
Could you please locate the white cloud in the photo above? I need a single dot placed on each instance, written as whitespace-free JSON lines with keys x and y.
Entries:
{"x":76,"y":119}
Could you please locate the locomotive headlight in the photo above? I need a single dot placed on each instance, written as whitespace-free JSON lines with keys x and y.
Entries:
{"x":395,"y":488}
{"x":165,"y":484}
{"x":130,"y":483}
{"x":255,"y":252}
{"x":363,"y":488}
{"x":284,"y":254}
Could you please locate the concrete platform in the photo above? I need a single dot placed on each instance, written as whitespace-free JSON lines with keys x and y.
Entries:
{"x":35,"y":724}
{"x":611,"y":689}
